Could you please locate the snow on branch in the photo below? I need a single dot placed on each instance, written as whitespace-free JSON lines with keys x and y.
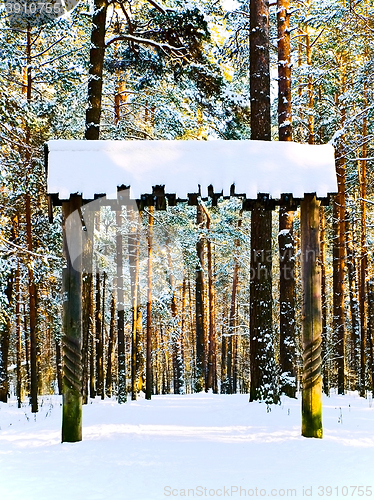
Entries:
{"x":147,"y":41}
{"x":160,"y":7}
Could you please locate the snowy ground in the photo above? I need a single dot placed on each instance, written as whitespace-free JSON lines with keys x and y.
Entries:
{"x":202,"y":445}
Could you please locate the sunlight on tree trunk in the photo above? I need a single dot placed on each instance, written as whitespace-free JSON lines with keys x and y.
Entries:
{"x":311,"y":319}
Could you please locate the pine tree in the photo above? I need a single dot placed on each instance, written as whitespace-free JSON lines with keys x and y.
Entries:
{"x":263,"y":371}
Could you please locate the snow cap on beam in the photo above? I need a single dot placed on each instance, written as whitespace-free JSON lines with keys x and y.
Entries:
{"x":91,"y":167}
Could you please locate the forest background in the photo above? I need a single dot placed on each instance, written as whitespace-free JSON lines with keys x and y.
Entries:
{"x":155,"y":88}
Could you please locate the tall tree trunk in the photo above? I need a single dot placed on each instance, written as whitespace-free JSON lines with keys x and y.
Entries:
{"x":192,"y":321}
{"x":225,"y":381}
{"x":175,"y":338}
{"x":4,"y":344}
{"x":353,"y":300}
{"x":95,"y":82}
{"x":261,"y":341}
{"x":122,"y":388}
{"x":212,"y":351}
{"x":58,"y":365}
{"x":133,"y":246}
{"x":325,"y":347}
{"x":211,"y":380}
{"x":99,"y":339}
{"x":235,"y":362}
{"x":120,"y":98}
{"x":18,"y":336}
{"x":156,"y":364}
{"x":263,"y":371}
{"x":311,"y":138}
{"x":92,"y":132}
{"x":232,"y":318}
{"x":199,"y":304}
{"x":140,"y":365}
{"x":183,"y":328}
{"x":87,"y":305}
{"x":12,"y":279}
{"x":102,"y":338}
{"x":86,"y":329}
{"x":338,"y":267}
{"x":287,"y":303}
{"x":32,"y":289}
{"x":370,"y":331}
{"x":148,"y":374}
{"x":300,"y":45}
{"x":284,"y":71}
{"x":285,"y":237}
{"x":33,"y":315}
{"x":259,"y":71}
{"x":92,"y":341}
{"x":363,"y":256}
{"x":27,"y":354}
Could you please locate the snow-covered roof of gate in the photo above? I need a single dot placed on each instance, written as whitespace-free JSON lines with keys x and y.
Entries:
{"x":93,"y":167}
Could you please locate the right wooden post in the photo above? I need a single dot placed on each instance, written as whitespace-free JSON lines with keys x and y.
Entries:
{"x":311,"y":318}
{"x":72,"y":326}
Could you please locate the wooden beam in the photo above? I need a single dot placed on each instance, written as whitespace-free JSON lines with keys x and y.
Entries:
{"x":311,"y":318}
{"x":286,"y":200}
{"x":72,"y":329}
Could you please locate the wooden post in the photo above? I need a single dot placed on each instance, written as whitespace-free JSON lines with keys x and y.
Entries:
{"x":287,"y":334}
{"x":72,"y":324}
{"x":311,"y":319}
{"x":109,"y":365}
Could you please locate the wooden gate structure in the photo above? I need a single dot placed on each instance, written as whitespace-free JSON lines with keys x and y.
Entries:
{"x":271,"y":173}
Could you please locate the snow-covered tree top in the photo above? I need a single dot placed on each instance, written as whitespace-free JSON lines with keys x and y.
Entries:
{"x":95,"y":167}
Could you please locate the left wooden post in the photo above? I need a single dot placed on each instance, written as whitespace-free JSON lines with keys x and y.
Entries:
{"x":72,"y":325}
